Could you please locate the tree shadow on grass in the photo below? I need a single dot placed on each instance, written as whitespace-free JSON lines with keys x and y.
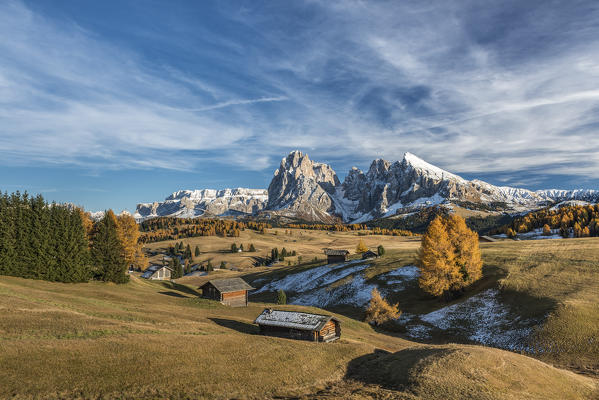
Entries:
{"x":180,"y":288}
{"x":174,"y":294}
{"x":242,"y":327}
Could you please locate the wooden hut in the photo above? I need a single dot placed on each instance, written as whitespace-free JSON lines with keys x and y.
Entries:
{"x":369,"y":254}
{"x":336,"y":256}
{"x":299,"y":325}
{"x":157,"y":272}
{"x":229,"y":291}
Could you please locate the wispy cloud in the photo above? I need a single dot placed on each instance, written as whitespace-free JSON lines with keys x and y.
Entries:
{"x":508,"y":87}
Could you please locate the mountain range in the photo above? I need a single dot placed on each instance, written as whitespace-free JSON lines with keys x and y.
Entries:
{"x":302,"y":189}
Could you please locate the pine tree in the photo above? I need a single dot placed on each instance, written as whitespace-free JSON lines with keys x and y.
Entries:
{"x":233,"y":248}
{"x":252,"y":248}
{"x":197,"y":251}
{"x":107,"y":252}
{"x":188,"y":252}
{"x":361,"y":247}
{"x":281,"y":297}
{"x":223,"y":265}
{"x":241,"y":247}
{"x":380,"y":250}
{"x":379,"y":311}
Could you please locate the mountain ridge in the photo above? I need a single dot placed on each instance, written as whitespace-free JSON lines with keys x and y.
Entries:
{"x":304,"y":189}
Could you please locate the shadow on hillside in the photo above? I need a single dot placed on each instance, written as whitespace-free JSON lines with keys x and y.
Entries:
{"x":391,"y":370}
{"x":242,"y":327}
{"x":180,"y":288}
{"x":174,"y":294}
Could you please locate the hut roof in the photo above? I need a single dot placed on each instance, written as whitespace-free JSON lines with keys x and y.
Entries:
{"x":369,"y":254}
{"x":334,"y":252}
{"x":228,"y":285}
{"x":293,"y":319}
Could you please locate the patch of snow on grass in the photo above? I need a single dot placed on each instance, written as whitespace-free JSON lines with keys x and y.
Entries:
{"x":311,"y":278}
{"x":355,"y":293}
{"x":481,"y":318}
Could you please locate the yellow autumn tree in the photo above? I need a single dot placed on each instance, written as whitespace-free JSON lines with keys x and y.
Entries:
{"x":88,"y":224}
{"x":546,"y":230}
{"x":128,"y":233}
{"x":361,"y":248}
{"x":449,"y":257}
{"x":379,"y":311}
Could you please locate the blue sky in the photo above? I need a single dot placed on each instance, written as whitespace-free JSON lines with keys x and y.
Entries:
{"x":110,"y":103}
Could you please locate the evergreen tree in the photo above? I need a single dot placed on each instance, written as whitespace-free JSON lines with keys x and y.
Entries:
{"x":241,"y":247}
{"x":252,"y":248}
{"x":197,"y":251}
{"x":223,"y":265}
{"x":233,"y":248}
{"x":380,"y":250}
{"x":188,"y":252}
{"x":107,"y":252}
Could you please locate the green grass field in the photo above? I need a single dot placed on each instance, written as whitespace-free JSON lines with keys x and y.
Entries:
{"x":158,"y":340}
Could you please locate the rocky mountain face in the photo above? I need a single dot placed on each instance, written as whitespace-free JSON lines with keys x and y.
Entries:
{"x":308,"y":190}
{"x":206,"y":202}
{"x":303,"y":187}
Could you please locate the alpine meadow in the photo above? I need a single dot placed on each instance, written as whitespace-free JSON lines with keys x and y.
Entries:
{"x":299,"y":200}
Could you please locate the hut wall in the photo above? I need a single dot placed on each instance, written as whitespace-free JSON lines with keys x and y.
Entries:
{"x":291,"y":333}
{"x":336,"y":259}
{"x":328,"y":331}
{"x":235,"y":299}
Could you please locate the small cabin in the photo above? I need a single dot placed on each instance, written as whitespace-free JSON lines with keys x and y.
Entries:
{"x":336,"y":256}
{"x":299,"y":325}
{"x":229,"y":291}
{"x":369,"y":254}
{"x":157,"y":272}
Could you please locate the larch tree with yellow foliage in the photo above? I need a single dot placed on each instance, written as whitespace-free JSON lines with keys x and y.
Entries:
{"x":361,"y":248}
{"x":449,"y":257}
{"x":379,"y":311}
{"x":128,"y":233}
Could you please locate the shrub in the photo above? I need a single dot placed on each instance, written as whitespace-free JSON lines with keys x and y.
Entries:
{"x":281,"y":297}
{"x":379,"y":311}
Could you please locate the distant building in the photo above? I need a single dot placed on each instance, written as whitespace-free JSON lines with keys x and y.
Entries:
{"x":299,"y":325}
{"x":157,"y":272}
{"x":336,"y":256}
{"x":229,"y":291}
{"x":369,"y":254}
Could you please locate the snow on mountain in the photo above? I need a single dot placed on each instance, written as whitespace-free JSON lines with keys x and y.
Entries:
{"x":308,"y":190}
{"x":195,"y":203}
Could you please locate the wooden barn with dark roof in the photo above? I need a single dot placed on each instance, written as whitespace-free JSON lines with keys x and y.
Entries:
{"x":299,"y":325}
{"x":229,"y":291}
{"x":336,"y":256}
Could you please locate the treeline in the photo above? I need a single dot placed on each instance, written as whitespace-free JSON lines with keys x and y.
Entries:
{"x":570,"y":221}
{"x":351,"y":227}
{"x":168,"y":228}
{"x":60,"y":243}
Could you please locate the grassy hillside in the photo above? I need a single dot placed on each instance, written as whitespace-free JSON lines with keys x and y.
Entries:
{"x":307,"y":243}
{"x":158,"y":340}
{"x":548,"y":289}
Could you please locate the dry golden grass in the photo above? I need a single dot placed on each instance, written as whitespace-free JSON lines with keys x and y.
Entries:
{"x":307,"y":243}
{"x":158,"y":340}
